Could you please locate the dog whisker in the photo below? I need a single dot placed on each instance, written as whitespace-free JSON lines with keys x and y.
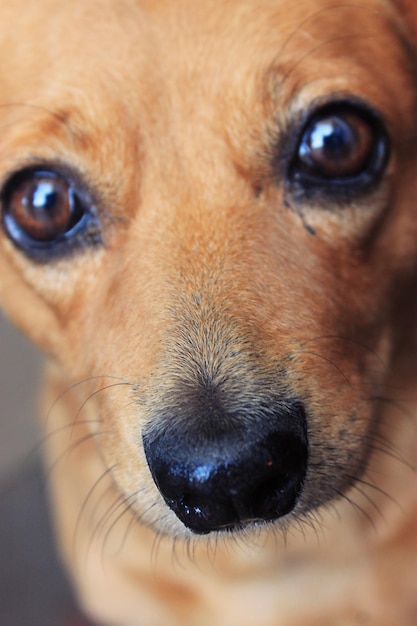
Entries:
{"x":70,"y":448}
{"x":402,"y":405}
{"x":311,"y":520}
{"x":367,"y":497}
{"x":91,"y":396}
{"x":132,"y":522}
{"x":360,"y":509}
{"x":74,"y":386}
{"x":41,"y":443}
{"x":324,"y":358}
{"x":95,"y":533}
{"x":349,"y":340}
{"x":328,"y":42}
{"x":310,"y":18}
{"x":374,"y":487}
{"x":126,"y":505}
{"x":156,"y":543}
{"x":378,"y":443}
{"x":87,"y":500}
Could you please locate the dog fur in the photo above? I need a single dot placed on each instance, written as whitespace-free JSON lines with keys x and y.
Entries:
{"x":177,"y":121}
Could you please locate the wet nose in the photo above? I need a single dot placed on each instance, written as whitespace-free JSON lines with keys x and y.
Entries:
{"x":221,"y":478}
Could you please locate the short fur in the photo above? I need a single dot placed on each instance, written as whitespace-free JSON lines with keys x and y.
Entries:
{"x":207,"y":265}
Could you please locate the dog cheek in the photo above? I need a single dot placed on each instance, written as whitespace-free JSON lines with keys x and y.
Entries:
{"x":28,"y":310}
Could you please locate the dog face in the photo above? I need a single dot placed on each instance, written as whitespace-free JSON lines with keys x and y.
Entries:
{"x":214,"y":204}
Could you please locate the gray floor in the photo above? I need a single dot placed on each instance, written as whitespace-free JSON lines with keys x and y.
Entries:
{"x":33,"y":588}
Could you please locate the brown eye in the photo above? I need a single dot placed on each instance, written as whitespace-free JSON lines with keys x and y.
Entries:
{"x":340,"y":146}
{"x":42,"y":210}
{"x":41,"y":205}
{"x":337,"y":146}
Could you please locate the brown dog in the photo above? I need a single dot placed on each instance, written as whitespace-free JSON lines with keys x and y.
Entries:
{"x":209,"y":223}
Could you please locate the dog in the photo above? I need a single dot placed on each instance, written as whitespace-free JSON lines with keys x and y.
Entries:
{"x":209,"y":226}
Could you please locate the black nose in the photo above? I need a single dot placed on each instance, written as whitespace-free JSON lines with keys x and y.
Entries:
{"x":233,"y":472}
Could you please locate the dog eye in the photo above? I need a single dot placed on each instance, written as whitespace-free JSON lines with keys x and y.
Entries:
{"x":42,"y":209}
{"x":340,"y":146}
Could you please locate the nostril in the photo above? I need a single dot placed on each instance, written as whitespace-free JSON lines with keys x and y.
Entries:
{"x":202,"y":515}
{"x":268,"y":495}
{"x":275,"y":497}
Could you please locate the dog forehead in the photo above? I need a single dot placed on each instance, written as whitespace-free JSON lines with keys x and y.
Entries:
{"x":151,"y":66}
{"x":91,"y":43}
{"x":145,"y":51}
{"x":184,"y":82}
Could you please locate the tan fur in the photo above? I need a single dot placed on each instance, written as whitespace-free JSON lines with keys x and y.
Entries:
{"x":168,"y":111}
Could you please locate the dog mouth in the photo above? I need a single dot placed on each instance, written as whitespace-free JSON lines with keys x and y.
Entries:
{"x":227,"y":470}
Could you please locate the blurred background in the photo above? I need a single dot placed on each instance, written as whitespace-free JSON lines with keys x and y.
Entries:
{"x":33,"y":587}
{"x":20,"y":368}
